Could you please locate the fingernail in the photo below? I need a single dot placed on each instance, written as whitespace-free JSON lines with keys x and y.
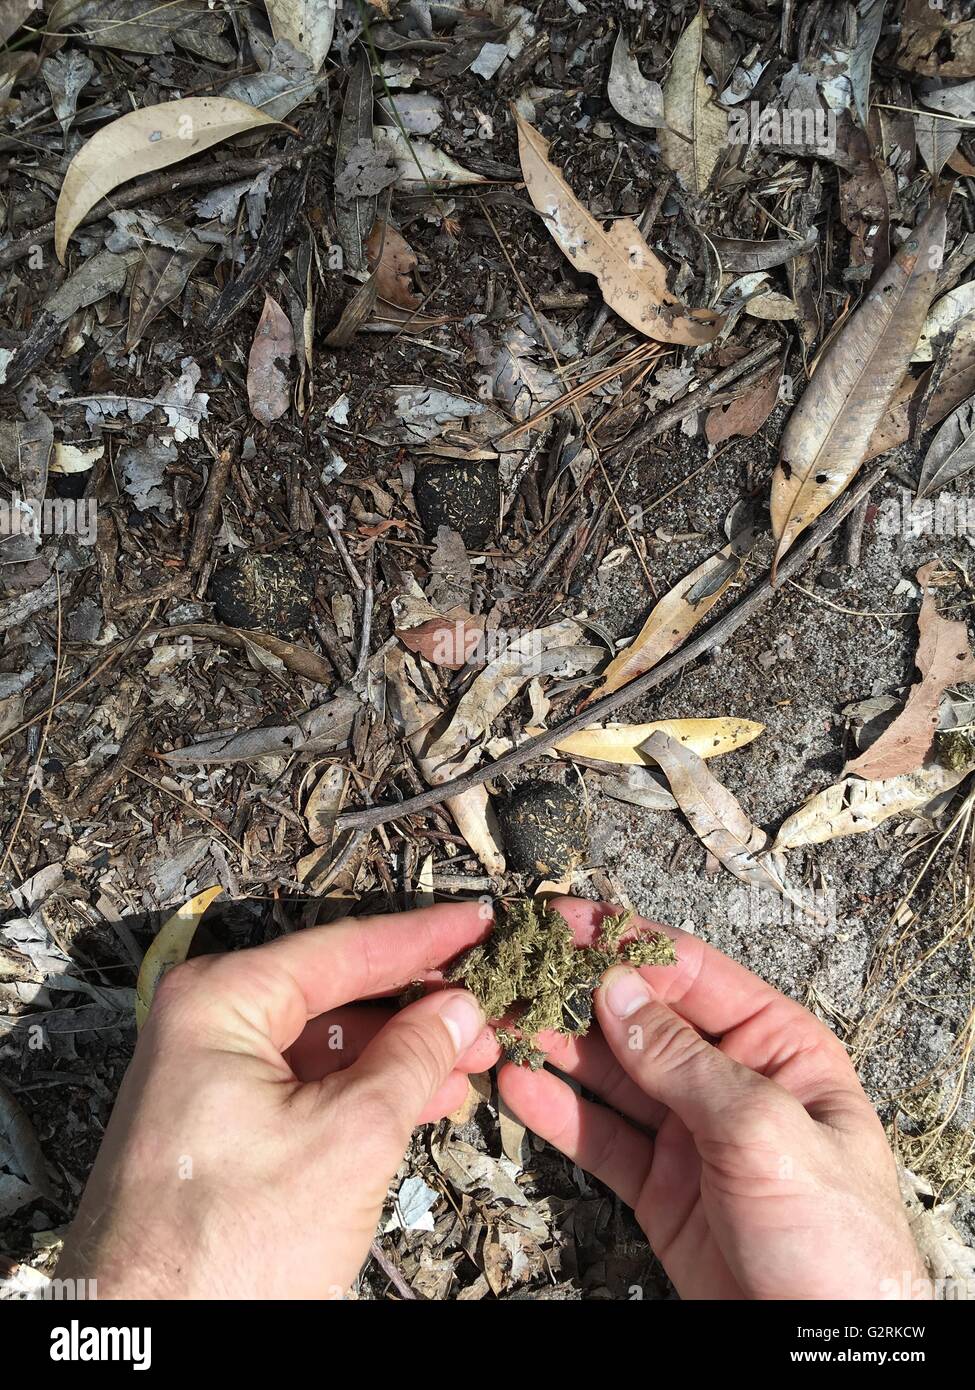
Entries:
{"x":462,"y":1018}
{"x":626,"y":991}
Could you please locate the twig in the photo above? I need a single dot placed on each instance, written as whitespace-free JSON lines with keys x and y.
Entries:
{"x":223,"y":172}
{"x":332,"y":516}
{"x":715,"y":635}
{"x":390,"y":1271}
{"x":368,"y":595}
{"x":695,"y":400}
{"x":8,"y":852}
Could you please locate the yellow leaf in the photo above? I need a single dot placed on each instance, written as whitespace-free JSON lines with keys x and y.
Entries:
{"x":168,"y":948}
{"x":676,"y":614}
{"x":138,"y":143}
{"x":621,"y":743}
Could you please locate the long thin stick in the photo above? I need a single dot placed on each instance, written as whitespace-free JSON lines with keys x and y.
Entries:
{"x":713,"y":636}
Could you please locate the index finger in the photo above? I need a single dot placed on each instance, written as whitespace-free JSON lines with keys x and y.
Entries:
{"x":282,"y":985}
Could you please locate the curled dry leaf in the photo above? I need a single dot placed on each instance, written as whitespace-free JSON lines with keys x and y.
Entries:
{"x":419,"y":718}
{"x":138,"y":143}
{"x":854,"y":806}
{"x":676,"y":614}
{"x":268,"y":386}
{"x":828,"y":432}
{"x":943,"y":658}
{"x":716,"y":817}
{"x":633,"y":96}
{"x":952,"y":451}
{"x":696,"y":133}
{"x":549,"y":649}
{"x":632,"y":279}
{"x":623,"y":743}
{"x":169,"y":948}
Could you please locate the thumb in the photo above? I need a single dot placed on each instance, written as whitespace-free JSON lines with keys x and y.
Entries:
{"x":668,"y":1058}
{"x":408,"y":1061}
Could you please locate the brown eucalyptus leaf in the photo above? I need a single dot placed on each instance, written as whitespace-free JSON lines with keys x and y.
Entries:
{"x":632,"y":279}
{"x":747,"y":414}
{"x":944,"y":658}
{"x":674,"y":616}
{"x":857,"y":375}
{"x":696,"y":134}
{"x":268,"y":386}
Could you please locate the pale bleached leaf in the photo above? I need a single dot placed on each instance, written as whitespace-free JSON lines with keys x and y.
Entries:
{"x":153,"y":137}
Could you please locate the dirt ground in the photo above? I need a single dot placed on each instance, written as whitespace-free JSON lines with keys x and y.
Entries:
{"x":103,"y":838}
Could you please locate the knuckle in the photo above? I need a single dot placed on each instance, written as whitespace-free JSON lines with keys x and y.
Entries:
{"x":669,"y":1043}
{"x":425,"y":1053}
{"x":182,"y":991}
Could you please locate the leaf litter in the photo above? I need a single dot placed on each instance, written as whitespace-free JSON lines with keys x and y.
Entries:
{"x":736,"y":200}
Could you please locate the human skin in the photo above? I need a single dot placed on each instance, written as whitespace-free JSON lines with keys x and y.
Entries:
{"x":249,"y":1156}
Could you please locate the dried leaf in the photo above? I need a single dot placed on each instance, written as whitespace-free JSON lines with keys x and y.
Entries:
{"x":858,"y":374}
{"x":472,"y":810}
{"x":633,"y":96}
{"x":952,"y":451}
{"x":169,"y":948}
{"x":17,"y":1134}
{"x":696,"y":134}
{"x":752,"y":256}
{"x":747,"y":414}
{"x":943,"y":658}
{"x":141,"y":141}
{"x":632,"y":279}
{"x":955,"y":384}
{"x":420,"y":164}
{"x":937,"y":140}
{"x":535,"y":653}
{"x":716,"y":817}
{"x":623,"y":743}
{"x":159,"y":278}
{"x":268,"y":384}
{"x":448,"y":639}
{"x":954,"y":312}
{"x":854,"y":806}
{"x":930,"y":43}
{"x":308,"y":25}
{"x":393,"y":261}
{"x":674,"y":616}
{"x":353,"y":219}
